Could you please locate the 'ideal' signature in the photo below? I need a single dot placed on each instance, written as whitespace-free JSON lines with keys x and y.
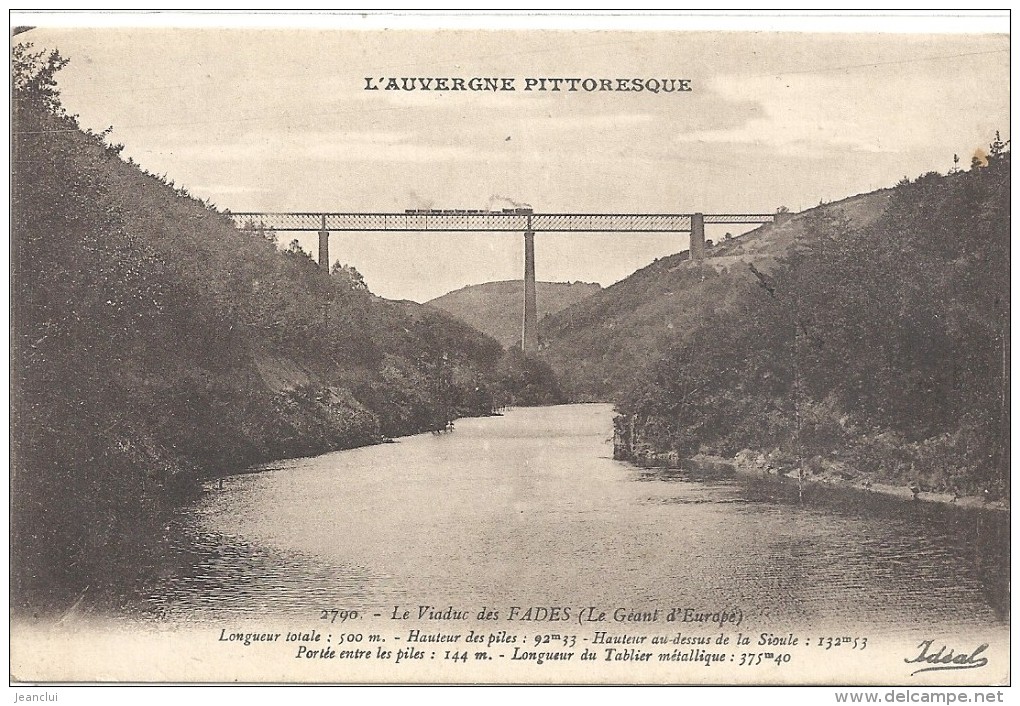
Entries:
{"x":946,"y":658}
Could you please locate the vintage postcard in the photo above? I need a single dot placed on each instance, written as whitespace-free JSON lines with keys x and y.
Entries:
{"x":510,"y":350}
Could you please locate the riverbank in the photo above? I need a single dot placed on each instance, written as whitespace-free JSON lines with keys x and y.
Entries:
{"x":759,"y":465}
{"x":214,"y":476}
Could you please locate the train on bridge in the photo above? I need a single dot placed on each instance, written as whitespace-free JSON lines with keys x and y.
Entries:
{"x":465,"y":212}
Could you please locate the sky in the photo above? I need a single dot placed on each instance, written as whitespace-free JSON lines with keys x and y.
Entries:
{"x":277,"y":118}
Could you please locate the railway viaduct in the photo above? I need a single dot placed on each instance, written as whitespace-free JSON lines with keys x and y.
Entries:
{"x":508,"y":220}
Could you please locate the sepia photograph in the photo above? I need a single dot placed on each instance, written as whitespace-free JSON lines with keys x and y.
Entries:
{"x":510,"y":349}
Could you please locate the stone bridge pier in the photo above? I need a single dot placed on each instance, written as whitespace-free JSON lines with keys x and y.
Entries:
{"x":324,"y":246}
{"x":529,"y":329}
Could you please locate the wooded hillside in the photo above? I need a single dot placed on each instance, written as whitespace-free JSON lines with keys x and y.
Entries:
{"x":876,"y":348}
{"x":155,"y":344}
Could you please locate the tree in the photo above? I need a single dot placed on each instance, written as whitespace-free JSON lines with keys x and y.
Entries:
{"x":348,"y":276}
{"x":998,"y":147}
{"x":33,"y":81}
{"x":295,"y":249}
{"x":260,"y":230}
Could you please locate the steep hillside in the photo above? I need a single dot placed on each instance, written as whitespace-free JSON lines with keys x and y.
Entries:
{"x":597,"y":345}
{"x":862,"y":341}
{"x":155,"y":344}
{"x":496,"y":308}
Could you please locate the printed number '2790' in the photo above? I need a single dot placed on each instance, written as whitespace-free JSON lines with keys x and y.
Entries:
{"x":342,"y":616}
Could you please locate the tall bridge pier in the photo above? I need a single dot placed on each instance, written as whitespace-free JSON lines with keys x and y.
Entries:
{"x":509,"y":220}
{"x":529,"y":328}
{"x":324,"y":245}
{"x":697,"y":246}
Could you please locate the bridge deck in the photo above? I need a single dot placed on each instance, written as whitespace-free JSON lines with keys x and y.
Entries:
{"x":493,"y":221}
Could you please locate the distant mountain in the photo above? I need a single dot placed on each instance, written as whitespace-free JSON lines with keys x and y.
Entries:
{"x":496,"y":308}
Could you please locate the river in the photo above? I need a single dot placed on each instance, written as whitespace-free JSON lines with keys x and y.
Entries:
{"x":531,"y":509}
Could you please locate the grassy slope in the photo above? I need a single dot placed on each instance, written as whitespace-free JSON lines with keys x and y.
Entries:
{"x":596,"y":345}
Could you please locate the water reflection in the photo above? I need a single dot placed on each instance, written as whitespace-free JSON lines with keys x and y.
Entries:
{"x":529,"y":509}
{"x":220,"y":576}
{"x":878,"y":553}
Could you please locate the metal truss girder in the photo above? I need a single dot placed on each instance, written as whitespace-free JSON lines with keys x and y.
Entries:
{"x":738,"y":218}
{"x":493,"y":221}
